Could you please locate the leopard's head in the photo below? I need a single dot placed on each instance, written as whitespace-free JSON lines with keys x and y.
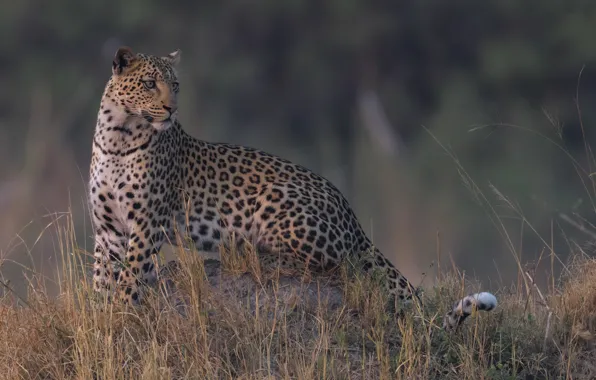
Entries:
{"x":146,"y":86}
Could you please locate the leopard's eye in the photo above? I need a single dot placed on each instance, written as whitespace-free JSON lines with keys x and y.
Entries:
{"x":176,"y":86}
{"x":149,"y":84}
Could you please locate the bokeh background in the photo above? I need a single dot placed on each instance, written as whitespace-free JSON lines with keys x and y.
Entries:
{"x":362,"y":92}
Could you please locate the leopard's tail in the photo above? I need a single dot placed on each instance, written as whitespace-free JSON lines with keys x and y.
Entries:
{"x":397,"y":284}
{"x":466,"y":306}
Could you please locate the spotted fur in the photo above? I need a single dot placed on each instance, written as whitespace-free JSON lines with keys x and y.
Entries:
{"x":463,"y":308}
{"x":149,"y":178}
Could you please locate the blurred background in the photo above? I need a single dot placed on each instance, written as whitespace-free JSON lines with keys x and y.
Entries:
{"x":370,"y":94}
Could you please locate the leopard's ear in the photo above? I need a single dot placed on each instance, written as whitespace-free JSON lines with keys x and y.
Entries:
{"x":123,"y":60}
{"x":173,"y":57}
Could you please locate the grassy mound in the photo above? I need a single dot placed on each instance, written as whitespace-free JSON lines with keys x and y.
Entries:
{"x":209,"y":320}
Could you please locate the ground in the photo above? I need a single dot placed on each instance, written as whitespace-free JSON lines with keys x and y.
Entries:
{"x":211,"y":320}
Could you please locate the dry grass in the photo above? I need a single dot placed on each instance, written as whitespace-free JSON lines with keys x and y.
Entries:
{"x":234,"y":320}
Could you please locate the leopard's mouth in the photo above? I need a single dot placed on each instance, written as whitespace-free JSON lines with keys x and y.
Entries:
{"x":160,"y":125}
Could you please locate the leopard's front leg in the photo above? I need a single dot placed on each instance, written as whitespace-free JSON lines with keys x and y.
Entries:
{"x":109,"y":253}
{"x":139,"y":269}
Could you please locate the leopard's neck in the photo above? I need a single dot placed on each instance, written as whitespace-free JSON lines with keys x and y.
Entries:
{"x":117,"y":132}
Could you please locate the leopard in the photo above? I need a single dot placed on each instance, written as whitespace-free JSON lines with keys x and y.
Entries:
{"x":150,"y":179}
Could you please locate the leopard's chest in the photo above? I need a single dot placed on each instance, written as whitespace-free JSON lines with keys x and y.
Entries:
{"x":111,"y":188}
{"x":145,"y":182}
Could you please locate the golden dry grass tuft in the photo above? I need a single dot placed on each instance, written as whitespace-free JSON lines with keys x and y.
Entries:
{"x":231,"y":320}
